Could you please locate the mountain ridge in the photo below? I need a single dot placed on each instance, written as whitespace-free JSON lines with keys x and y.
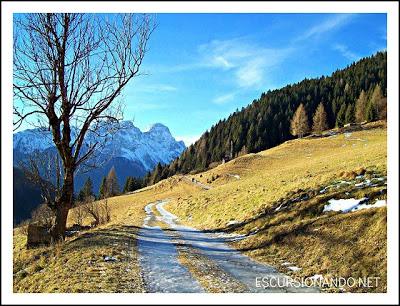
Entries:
{"x":130,"y":151}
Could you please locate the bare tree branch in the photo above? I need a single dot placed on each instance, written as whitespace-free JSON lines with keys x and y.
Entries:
{"x":69,"y":72}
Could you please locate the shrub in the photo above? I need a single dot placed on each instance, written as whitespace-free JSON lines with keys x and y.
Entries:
{"x":99,"y":211}
{"x":43,"y":215}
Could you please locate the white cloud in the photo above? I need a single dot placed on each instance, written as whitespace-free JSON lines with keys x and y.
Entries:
{"x":224,"y":98}
{"x":162,"y":87}
{"x":329,"y":24}
{"x":157,"y":87}
{"x":251,"y":74}
{"x":188,"y":140}
{"x":247,"y":61}
{"x":222,"y":62}
{"x":344,"y":50}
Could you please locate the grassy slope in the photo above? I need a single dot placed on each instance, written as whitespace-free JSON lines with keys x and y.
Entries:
{"x":331,"y":244}
{"x":78,"y":265}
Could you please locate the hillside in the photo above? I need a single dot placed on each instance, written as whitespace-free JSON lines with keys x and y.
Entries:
{"x":275,"y":201}
{"x":265,"y":122}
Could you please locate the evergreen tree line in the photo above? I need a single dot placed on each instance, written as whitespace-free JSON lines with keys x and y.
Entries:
{"x":354,"y":94}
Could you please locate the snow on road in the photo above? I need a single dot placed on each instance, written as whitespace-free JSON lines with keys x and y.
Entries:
{"x":158,"y":259}
{"x":239,"y":266}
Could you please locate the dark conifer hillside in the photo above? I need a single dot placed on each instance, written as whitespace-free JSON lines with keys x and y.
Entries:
{"x":265,"y":123}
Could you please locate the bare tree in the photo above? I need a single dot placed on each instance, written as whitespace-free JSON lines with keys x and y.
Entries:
{"x":98,"y":210}
{"x":319,"y":119}
{"x":112,"y":187}
{"x":299,"y":124}
{"x":43,"y":215}
{"x":361,"y":105}
{"x":379,"y":102}
{"x":69,"y":72}
{"x":79,"y":214}
{"x":44,"y":170}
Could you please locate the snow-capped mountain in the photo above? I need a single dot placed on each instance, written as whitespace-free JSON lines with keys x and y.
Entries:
{"x":131,"y":151}
{"x":150,"y":147}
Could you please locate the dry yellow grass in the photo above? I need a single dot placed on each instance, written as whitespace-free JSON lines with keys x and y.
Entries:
{"x":329,"y":244}
{"x":78,"y":264}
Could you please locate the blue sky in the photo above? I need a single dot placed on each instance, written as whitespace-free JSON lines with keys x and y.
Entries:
{"x":201,"y":67}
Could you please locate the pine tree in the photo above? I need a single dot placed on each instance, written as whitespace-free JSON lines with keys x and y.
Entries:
{"x":103,"y":192}
{"x":319,"y":119}
{"x":341,"y":116}
{"x":128,"y":184}
{"x":378,"y":102}
{"x":251,"y":138}
{"x":86,"y":191}
{"x":112,"y":183}
{"x":299,"y":124}
{"x":349,"y":117}
{"x":133,"y":185}
{"x":158,"y":171}
{"x":81,"y":196}
{"x":361,"y":105}
{"x":371,"y":113}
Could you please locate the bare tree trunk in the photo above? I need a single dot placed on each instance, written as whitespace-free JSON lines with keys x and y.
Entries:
{"x":58,"y":229}
{"x":62,"y":207}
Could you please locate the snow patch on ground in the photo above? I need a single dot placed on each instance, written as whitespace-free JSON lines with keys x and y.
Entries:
{"x":317,"y":277}
{"x":343,"y":205}
{"x":110,"y":259}
{"x":378,"y":203}
{"x":350,"y":205}
{"x":230,"y":237}
{"x":294,"y":268}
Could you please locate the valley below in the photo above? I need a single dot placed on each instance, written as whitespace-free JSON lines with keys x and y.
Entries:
{"x":311,"y":208}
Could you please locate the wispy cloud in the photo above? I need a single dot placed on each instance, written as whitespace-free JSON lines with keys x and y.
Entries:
{"x":331,"y":23}
{"x":222,"y":99}
{"x":346,"y":52}
{"x":247,"y":61}
{"x":251,"y":73}
{"x":157,"y":88}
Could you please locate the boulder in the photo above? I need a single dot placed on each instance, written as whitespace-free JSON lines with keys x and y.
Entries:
{"x":37,"y":235}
